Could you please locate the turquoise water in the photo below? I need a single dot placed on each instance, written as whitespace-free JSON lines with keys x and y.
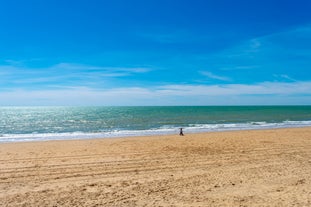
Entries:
{"x":51,"y":123}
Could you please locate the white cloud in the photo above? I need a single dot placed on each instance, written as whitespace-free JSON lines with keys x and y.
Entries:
{"x":225,"y":94}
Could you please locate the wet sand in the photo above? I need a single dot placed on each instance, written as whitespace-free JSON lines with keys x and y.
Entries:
{"x":240,"y":168}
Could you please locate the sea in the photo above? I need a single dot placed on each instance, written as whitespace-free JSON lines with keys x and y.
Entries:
{"x":18,"y":124}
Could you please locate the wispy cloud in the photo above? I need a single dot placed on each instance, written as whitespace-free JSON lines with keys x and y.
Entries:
{"x":214,"y":76}
{"x":98,"y":71}
{"x":277,"y":49}
{"x":255,"y":44}
{"x":264,"y":88}
{"x":284,"y":77}
{"x":81,"y":67}
{"x":64,"y":73}
{"x":281,"y":56}
{"x":240,"y":67}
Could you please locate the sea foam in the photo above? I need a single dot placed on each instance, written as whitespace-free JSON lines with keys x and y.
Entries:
{"x":163,"y":130}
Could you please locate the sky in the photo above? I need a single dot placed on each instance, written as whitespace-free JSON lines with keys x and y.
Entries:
{"x":155,"y":52}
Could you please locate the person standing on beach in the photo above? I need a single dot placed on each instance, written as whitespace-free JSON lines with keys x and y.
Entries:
{"x":181,"y":132}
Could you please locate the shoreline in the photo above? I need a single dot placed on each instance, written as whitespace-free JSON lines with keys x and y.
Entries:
{"x":96,"y":136}
{"x":232,"y":168}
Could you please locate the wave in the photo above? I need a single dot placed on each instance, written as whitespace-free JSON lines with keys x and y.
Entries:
{"x":165,"y":129}
{"x":246,"y":126}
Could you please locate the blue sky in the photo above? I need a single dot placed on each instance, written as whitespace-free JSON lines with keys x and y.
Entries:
{"x":155,"y":52}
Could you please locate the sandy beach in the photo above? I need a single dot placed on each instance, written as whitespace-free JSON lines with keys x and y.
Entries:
{"x":238,"y":168}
